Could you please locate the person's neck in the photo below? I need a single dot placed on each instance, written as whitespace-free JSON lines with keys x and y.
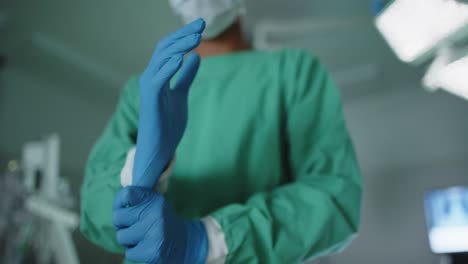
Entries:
{"x":232,"y":40}
{"x":209,"y":48}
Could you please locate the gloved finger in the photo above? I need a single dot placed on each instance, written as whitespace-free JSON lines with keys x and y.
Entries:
{"x":179,"y":47}
{"x":195,"y":27}
{"x":142,"y":252}
{"x":131,"y":196}
{"x":187,"y":73}
{"x":183,"y":45}
{"x":132,"y":235}
{"x":124,"y":217}
{"x":168,"y":70}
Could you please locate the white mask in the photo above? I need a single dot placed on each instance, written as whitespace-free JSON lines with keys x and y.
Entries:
{"x":218,"y":14}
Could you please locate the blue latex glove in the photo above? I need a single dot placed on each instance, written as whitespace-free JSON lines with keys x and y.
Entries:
{"x":163,"y":110}
{"x":152,"y":232}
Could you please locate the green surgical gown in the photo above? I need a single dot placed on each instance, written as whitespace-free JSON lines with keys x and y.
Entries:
{"x":266,"y":153}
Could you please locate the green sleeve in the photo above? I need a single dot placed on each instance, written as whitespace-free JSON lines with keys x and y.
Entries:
{"x":102,"y":176}
{"x":317,"y":213}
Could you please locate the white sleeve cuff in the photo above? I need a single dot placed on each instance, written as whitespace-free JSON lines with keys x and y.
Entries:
{"x":217,"y":248}
{"x":126,"y":174}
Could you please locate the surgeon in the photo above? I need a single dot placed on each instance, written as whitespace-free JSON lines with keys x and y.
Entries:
{"x":218,"y":153}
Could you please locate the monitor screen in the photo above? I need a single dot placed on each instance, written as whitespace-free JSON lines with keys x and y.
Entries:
{"x":447,"y":219}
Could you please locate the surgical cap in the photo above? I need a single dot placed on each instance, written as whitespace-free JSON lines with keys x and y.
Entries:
{"x":218,"y":14}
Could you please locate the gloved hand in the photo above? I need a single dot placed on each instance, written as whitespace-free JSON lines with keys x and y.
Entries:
{"x":152,"y":232}
{"x":163,"y":110}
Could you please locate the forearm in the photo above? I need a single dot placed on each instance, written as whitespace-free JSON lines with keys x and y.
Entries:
{"x":105,"y":163}
{"x":292,"y":223}
{"x":101,"y":183}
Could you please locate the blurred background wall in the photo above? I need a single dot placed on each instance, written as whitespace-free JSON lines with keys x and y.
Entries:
{"x":67,"y":60}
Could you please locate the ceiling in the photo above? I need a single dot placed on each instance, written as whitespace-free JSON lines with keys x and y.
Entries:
{"x":100,"y":43}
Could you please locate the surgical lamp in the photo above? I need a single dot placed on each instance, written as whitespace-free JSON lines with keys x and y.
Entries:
{"x":420,"y":30}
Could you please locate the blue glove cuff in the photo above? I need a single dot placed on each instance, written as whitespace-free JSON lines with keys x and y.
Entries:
{"x":197,"y":243}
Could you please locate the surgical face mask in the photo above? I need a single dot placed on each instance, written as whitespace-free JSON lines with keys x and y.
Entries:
{"x":218,"y":14}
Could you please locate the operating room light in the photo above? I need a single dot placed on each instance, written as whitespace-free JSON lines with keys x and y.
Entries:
{"x":416,"y":28}
{"x":454,"y":77}
{"x":449,"y":71}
